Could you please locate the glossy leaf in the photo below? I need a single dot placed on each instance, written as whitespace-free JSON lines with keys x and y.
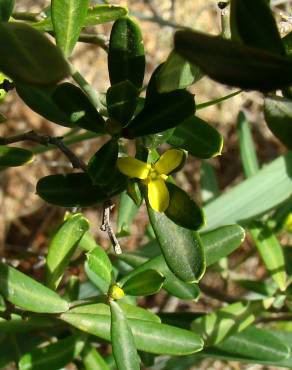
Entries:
{"x":54,"y":356}
{"x":13,"y":157}
{"x":126,"y":59}
{"x":183,"y":210}
{"x":271,"y":252}
{"x":247,"y":147}
{"x":28,"y":56}
{"x":252,"y":197}
{"x":198,"y":138}
{"x":100,"y":264}
{"x":63,"y":246}
{"x":232,"y":63}
{"x":6,"y":8}
{"x":30,"y":295}
{"x":166,"y":111}
{"x":209,"y":183}
{"x":256,"y":26}
{"x":278,"y":115}
{"x":122,"y":101}
{"x":92,"y":360}
{"x":68,"y":17}
{"x":123,"y":344}
{"x":102,"y":165}
{"x":146,"y":282}
{"x":127,"y":211}
{"x":76,"y":190}
{"x":182,"y":248}
{"x":148,"y":336}
{"x":87,"y":242}
{"x":100,"y":285}
{"x":72,"y":101}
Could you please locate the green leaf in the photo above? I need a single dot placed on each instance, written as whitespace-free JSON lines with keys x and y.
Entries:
{"x":102,"y":165}
{"x":252,"y":197}
{"x":100,"y":264}
{"x":63,"y":246}
{"x":208,"y":181}
{"x":176,"y":73}
{"x":6,"y":8}
{"x":148,"y":336}
{"x":28,"y":56}
{"x":27,"y":293}
{"x":72,"y":101}
{"x":166,"y":111}
{"x":287,"y":42}
{"x":127,"y":211}
{"x":101,"y":285}
{"x":92,"y":360}
{"x":144,"y":283}
{"x":76,"y":190}
{"x":13,"y":157}
{"x":234,"y":64}
{"x":182,"y":248}
{"x":224,"y":322}
{"x":123,"y":344}
{"x":256,"y":26}
{"x":183,"y":210}
{"x":68,"y":17}
{"x":271,"y":252}
{"x":122,"y":100}
{"x":247,"y":147}
{"x":87,"y":242}
{"x":126,"y":59}
{"x":18,"y":324}
{"x":198,"y":138}
{"x":54,"y":356}
{"x":278,"y":115}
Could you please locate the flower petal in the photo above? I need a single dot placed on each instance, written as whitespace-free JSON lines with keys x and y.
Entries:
{"x":169,"y":161}
{"x":158,"y":195}
{"x":132,"y":167}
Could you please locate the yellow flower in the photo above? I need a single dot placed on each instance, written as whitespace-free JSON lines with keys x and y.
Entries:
{"x":154,"y":175}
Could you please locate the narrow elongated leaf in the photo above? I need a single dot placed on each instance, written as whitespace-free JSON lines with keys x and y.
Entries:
{"x":127,"y":211}
{"x":6,"y":8}
{"x":13,"y":157}
{"x":148,"y":336}
{"x":101,"y":285}
{"x":271,"y":252}
{"x":28,"y":56}
{"x":146,"y":282}
{"x":74,"y":103}
{"x":256,"y":26}
{"x":92,"y":360}
{"x":17,"y":324}
{"x":270,"y":187}
{"x":123,"y":344}
{"x":166,"y":111}
{"x":234,"y":64}
{"x":100,"y":264}
{"x":278,"y":115}
{"x":63,"y":246}
{"x":198,"y":138}
{"x":126,"y":59}
{"x":247,"y":148}
{"x":27,"y":293}
{"x":208,"y":181}
{"x":54,"y":356}
{"x":182,"y":248}
{"x":68,"y":17}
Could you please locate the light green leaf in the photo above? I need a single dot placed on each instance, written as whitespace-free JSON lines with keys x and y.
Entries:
{"x":100,"y":264}
{"x":92,"y":360}
{"x":144,"y":283}
{"x":209,"y":183}
{"x":127,"y":211}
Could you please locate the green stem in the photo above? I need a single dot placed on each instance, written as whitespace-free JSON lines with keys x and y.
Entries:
{"x":217,"y":101}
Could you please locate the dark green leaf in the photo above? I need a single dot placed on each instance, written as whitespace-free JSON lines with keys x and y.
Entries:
{"x":74,"y":103}
{"x":6,"y":8}
{"x":278,"y":115}
{"x":27,"y":293}
{"x":183,"y":210}
{"x":198,"y":138}
{"x":18,"y":324}
{"x":63,"y":246}
{"x":122,"y":101}
{"x":13,"y":157}
{"x":28,"y":56}
{"x":126,"y":59}
{"x":261,"y":289}
{"x":102,"y":166}
{"x":100,"y":264}
{"x":287,"y":42}
{"x":127,"y":211}
{"x":124,"y":350}
{"x":2,"y":118}
{"x":144,"y":283}
{"x":256,"y":26}
{"x":182,"y":248}
{"x":166,"y":111}
{"x":68,"y":17}
{"x":92,"y":360}
{"x":234,"y":64}
{"x":54,"y":356}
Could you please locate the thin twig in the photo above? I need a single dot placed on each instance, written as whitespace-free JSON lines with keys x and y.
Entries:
{"x":46,"y":140}
{"x":106,"y":226}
